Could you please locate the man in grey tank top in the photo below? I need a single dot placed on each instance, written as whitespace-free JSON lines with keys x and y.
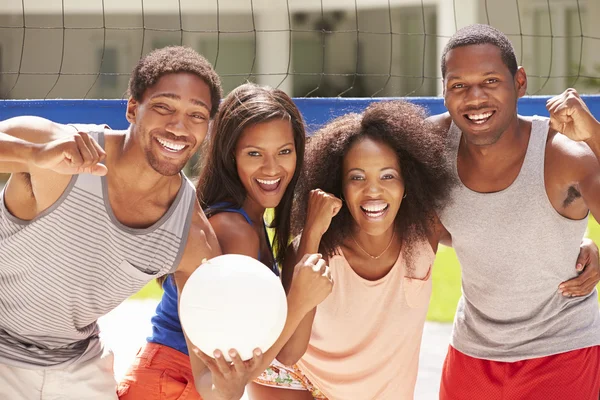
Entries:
{"x":525,"y":328}
{"x":78,"y":237}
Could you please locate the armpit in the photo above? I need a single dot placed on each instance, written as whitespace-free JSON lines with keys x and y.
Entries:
{"x":572,"y":195}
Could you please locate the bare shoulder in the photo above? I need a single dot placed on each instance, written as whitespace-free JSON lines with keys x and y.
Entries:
{"x":442,"y":121}
{"x":235,"y":234}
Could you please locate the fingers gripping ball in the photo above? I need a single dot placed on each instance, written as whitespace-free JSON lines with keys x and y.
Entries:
{"x":233,"y":302}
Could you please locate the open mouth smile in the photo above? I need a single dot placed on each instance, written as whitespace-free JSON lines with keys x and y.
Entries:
{"x":479,"y":118}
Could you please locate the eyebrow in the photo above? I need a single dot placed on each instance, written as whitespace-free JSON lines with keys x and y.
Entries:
{"x":260,"y":148}
{"x":174,"y":96}
{"x":362,"y":170}
{"x":456,"y":77}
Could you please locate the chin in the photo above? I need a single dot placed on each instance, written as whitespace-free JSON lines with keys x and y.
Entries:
{"x":167,"y":169}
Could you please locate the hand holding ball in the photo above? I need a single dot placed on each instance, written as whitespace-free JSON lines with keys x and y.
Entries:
{"x":233,"y":302}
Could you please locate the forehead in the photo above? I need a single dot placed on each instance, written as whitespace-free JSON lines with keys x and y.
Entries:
{"x":474,"y":59}
{"x":185,"y":85}
{"x":275,"y":133}
{"x":368,"y":153}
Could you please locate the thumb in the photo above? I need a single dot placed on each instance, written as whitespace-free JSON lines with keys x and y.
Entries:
{"x":98,"y":170}
{"x":581,"y":260}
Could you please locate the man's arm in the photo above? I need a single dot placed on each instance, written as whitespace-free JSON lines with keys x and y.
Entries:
{"x":570,"y":116}
{"x":50,"y":153}
{"x":578,"y":155}
{"x":15,"y":154}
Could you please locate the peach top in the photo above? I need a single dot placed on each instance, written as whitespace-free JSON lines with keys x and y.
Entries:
{"x":366,"y":335}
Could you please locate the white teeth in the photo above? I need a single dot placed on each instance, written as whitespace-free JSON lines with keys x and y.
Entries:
{"x":170,"y":145}
{"x":478,"y":117}
{"x":375,"y":214}
{"x":374,"y":209}
{"x":268,"y":182}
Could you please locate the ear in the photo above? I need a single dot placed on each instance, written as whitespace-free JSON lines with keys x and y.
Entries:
{"x":521,"y":81}
{"x":132,"y":108}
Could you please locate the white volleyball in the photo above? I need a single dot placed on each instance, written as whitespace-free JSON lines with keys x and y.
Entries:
{"x":233,"y":302}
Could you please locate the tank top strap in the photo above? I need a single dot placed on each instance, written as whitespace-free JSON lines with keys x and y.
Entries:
{"x":532,"y":170}
{"x":92,"y":184}
{"x":454,"y":136}
{"x":228,"y":207}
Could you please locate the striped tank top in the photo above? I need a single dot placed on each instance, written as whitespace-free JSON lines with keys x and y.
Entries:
{"x":514,"y":250}
{"x":74,"y":263}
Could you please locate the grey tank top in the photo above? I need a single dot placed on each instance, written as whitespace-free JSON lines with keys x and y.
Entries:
{"x":515,"y":249}
{"x":74,"y":263}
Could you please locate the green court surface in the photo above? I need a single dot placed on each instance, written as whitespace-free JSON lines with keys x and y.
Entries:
{"x":446,"y":282}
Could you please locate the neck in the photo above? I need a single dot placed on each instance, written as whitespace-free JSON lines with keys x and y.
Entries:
{"x":504,"y":148}
{"x":128,"y":167}
{"x":375,"y":245}
{"x":254,"y":210}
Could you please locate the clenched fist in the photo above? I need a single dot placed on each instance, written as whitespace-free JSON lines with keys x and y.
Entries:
{"x":77,"y":154}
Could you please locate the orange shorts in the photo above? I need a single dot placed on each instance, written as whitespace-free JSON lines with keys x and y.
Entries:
{"x":574,"y":375}
{"x":158,"y":373}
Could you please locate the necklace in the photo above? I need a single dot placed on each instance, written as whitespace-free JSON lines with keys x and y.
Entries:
{"x":382,"y":253}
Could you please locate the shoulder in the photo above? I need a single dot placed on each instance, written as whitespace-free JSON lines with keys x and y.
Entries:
{"x":235,"y":234}
{"x":442,"y":121}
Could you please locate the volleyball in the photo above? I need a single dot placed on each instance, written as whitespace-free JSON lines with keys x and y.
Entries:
{"x":233,"y":302}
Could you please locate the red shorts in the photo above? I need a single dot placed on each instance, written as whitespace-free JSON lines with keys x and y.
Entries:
{"x":574,"y":375}
{"x":158,"y":373}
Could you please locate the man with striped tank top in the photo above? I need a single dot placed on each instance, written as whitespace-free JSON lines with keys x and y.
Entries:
{"x":78,"y":237}
{"x":524,"y":327}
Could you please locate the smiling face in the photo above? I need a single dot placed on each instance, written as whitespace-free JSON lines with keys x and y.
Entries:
{"x":171,"y":120}
{"x":480,"y":93}
{"x":265,"y":157}
{"x":372,"y":185}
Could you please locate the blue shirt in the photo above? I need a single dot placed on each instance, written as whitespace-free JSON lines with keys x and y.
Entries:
{"x":166,"y":328}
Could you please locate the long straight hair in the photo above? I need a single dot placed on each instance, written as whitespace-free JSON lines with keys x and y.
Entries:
{"x":245,"y":106}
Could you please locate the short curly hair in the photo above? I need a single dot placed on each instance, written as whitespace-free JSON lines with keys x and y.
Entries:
{"x":173,"y":59}
{"x":420,"y":148}
{"x":482,"y":34}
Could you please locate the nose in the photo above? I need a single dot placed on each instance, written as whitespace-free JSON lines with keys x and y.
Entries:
{"x":476,"y":95}
{"x":176,"y":125}
{"x":270,"y":166}
{"x":374,"y":189}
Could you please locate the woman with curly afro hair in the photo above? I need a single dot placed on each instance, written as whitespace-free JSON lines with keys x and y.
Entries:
{"x":367,"y":201}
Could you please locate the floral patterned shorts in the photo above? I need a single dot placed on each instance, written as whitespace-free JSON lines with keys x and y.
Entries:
{"x":281,"y":376}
